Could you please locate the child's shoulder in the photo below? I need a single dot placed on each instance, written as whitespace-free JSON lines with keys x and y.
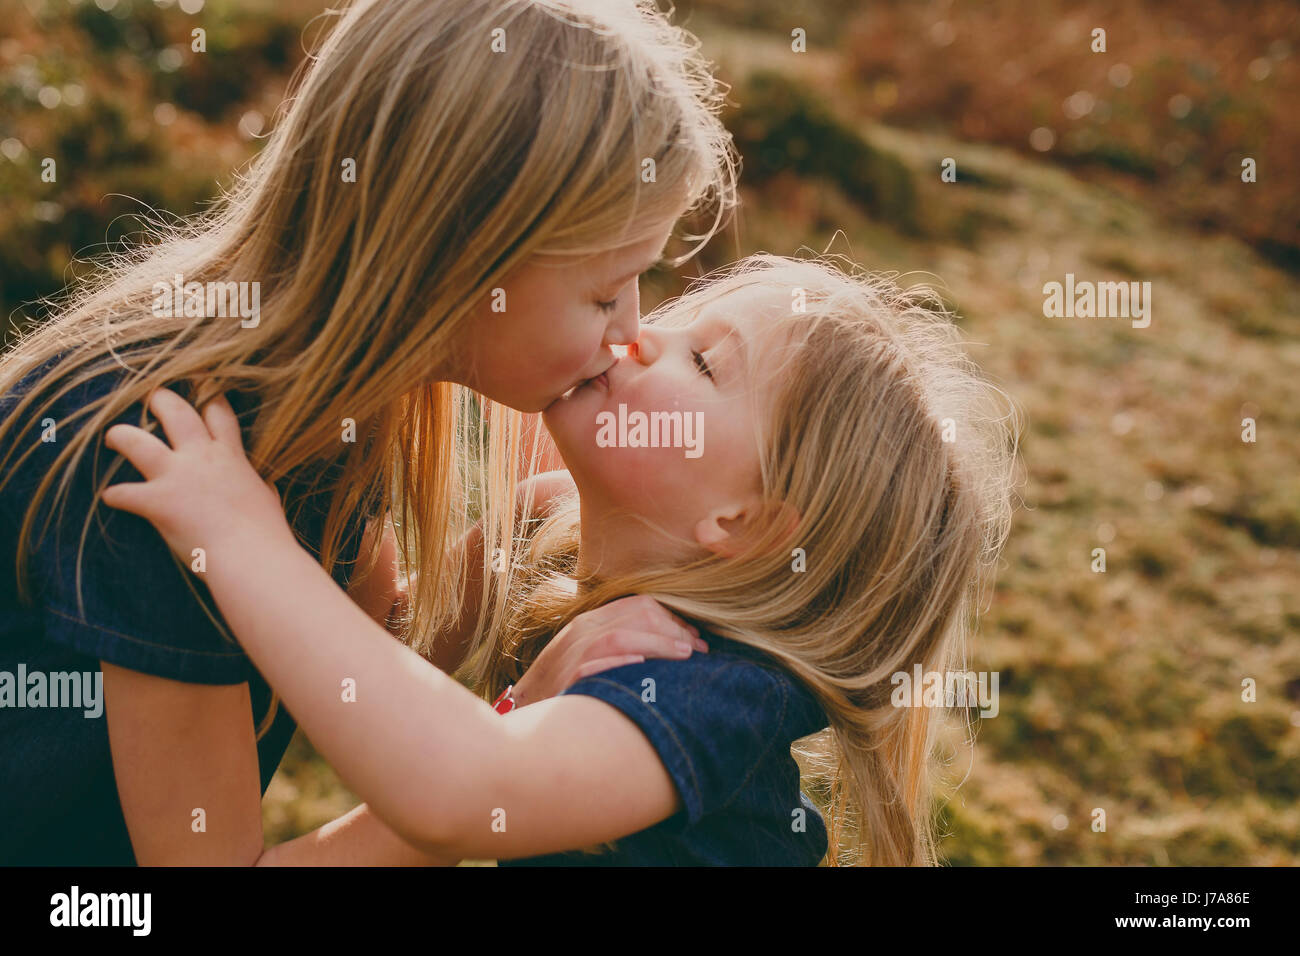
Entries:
{"x":728,"y":655}
{"x":722,"y":723}
{"x":733,"y":692}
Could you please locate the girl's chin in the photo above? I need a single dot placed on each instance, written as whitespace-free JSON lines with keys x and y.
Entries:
{"x":564,"y":407}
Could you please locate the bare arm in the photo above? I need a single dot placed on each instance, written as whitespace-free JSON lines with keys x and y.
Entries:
{"x":565,"y":772}
{"x":375,"y":593}
{"x":361,"y":838}
{"x":185,"y":760}
{"x":358,"y":838}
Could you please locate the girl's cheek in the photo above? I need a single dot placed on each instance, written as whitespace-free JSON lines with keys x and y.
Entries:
{"x":578,"y":360}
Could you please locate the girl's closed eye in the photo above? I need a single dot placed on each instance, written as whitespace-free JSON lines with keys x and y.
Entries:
{"x":702,"y":365}
{"x":607,"y":306}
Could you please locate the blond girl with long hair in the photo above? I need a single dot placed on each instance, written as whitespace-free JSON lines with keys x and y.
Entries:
{"x":823,"y":486}
{"x":459,"y":194}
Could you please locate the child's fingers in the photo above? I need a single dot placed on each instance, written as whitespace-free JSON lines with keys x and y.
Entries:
{"x":649,"y":613}
{"x":179,"y":418}
{"x":645,"y":643}
{"x":127,"y":496}
{"x":147,"y":452}
{"x":222,"y":422}
{"x":606,"y":663}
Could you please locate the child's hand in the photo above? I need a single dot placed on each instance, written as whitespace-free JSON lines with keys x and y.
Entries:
{"x":201,"y":492}
{"x":625,"y":631}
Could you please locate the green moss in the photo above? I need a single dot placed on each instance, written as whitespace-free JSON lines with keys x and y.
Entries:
{"x":784,"y":127}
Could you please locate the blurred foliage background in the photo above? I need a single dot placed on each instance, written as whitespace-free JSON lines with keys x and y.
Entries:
{"x":1119,"y":690}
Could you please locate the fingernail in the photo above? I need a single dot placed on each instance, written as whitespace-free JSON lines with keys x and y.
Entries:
{"x":684,"y":649}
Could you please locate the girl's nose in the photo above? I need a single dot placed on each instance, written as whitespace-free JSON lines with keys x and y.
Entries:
{"x":626,"y":330}
{"x":645,"y":349}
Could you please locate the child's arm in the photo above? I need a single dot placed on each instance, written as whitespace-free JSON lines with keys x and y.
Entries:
{"x":378,"y":592}
{"x":435,"y":762}
{"x":358,"y":838}
{"x":448,"y":773}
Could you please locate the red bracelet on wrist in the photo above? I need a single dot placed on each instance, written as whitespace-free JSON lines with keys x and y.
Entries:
{"x":504,"y":702}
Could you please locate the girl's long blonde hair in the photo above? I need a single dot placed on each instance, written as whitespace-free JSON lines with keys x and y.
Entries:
{"x":427,"y":149}
{"x":899,"y":457}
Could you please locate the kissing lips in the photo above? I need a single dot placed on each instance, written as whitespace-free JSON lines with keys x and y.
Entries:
{"x":601,"y":381}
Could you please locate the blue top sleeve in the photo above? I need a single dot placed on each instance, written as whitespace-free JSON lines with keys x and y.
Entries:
{"x":713,"y":718}
{"x":144,"y":610}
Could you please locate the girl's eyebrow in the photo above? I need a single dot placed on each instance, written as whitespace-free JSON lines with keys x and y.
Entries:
{"x":728,"y":356}
{"x":636,"y":272}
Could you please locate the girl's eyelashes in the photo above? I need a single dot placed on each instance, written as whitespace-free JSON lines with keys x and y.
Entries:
{"x":702,"y":365}
{"x":607,"y":306}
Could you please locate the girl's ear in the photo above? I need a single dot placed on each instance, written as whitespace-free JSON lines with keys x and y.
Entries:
{"x":730,"y":529}
{"x":714,"y":533}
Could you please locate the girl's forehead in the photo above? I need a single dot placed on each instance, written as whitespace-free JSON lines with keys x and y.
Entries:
{"x":733,"y":306}
{"x":759,"y":327}
{"x":761,"y":315}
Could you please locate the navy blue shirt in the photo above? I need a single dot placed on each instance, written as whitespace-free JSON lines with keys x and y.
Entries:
{"x":58,"y":798}
{"x":722,"y":723}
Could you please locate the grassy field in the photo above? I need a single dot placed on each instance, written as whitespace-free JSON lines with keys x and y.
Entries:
{"x":1123,"y":690}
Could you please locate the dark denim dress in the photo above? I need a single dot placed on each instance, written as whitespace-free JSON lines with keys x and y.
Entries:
{"x":58,"y":798}
{"x":723,"y":723}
